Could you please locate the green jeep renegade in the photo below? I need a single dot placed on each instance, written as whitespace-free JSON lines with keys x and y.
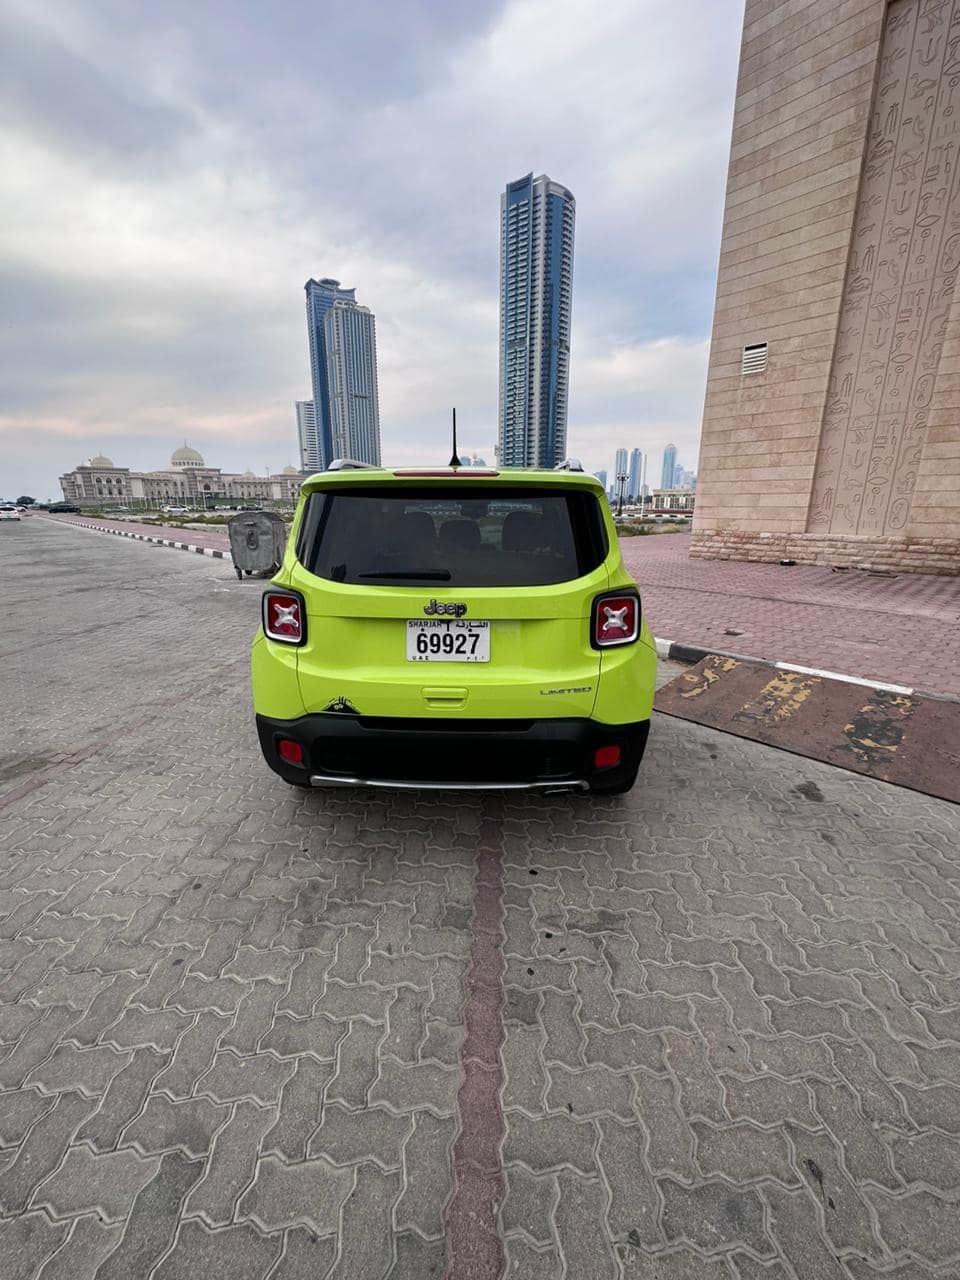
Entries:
{"x":456,"y":629}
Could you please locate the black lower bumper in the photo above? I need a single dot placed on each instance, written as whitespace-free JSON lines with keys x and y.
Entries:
{"x":382,"y":751}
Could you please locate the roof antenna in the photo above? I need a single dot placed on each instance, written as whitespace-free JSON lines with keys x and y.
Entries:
{"x":455,"y":460}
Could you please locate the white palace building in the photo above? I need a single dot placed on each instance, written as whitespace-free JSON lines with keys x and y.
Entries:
{"x":187,"y":482}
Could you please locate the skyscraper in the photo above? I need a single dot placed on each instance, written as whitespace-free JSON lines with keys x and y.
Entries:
{"x":307,"y":436}
{"x":669,"y":466}
{"x":343,"y":370}
{"x":352,"y":380}
{"x":536,"y":294}
{"x":602,"y":477}
{"x":636,"y":467}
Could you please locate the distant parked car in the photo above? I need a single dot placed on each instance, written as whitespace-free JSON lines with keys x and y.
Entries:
{"x":64,"y":507}
{"x":9,"y":512}
{"x":175,"y":511}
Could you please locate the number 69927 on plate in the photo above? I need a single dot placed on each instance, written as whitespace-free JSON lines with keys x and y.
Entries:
{"x":438,"y":640}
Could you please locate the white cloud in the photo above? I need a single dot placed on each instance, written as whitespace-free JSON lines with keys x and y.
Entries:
{"x":644,"y":396}
{"x":160,"y":295}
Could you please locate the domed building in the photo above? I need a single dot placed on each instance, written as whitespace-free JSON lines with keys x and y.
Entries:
{"x":96,"y":483}
{"x":186,"y":482}
{"x":186,"y":457}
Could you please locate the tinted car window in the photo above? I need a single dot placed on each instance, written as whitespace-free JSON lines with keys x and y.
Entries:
{"x":462,"y":535}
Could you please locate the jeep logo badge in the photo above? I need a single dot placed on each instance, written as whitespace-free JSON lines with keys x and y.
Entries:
{"x":454,"y":608}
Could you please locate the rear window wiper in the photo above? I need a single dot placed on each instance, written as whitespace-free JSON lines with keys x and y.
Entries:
{"x":431,"y":575}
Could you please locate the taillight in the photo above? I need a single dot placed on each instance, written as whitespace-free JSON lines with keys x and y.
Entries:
{"x":290,"y":751}
{"x":284,"y":617}
{"x":616,"y":619}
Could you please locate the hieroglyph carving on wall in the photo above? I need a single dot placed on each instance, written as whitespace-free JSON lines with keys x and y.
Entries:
{"x":904,"y":257}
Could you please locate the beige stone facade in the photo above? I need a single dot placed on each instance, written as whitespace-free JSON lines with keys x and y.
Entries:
{"x":674,"y":500}
{"x":186,"y":482}
{"x":831,"y":429}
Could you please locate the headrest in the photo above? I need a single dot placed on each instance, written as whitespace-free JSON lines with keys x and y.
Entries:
{"x":460,"y":535}
{"x":522,"y":531}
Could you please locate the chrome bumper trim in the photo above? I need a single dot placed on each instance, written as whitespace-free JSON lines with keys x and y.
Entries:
{"x":338,"y":780}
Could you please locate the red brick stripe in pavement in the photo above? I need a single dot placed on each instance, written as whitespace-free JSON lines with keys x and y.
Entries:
{"x":474,"y":1250}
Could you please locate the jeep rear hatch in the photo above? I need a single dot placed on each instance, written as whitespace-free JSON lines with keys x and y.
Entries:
{"x":396,"y":577}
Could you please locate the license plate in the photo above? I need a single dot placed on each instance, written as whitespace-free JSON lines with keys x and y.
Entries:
{"x":434,"y":640}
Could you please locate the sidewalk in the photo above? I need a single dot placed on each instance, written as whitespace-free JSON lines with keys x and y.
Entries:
{"x":901,"y":630}
{"x":214,"y":539}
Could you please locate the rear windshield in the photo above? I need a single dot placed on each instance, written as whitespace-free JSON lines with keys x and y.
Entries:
{"x":464,"y":535}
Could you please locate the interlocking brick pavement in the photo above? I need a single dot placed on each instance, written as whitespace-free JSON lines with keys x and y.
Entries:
{"x":232,"y":1034}
{"x":902,"y":629}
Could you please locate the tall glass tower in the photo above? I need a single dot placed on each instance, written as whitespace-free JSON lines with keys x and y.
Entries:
{"x":669,"y":466}
{"x":352,"y":381}
{"x":636,"y":470}
{"x":536,"y":296}
{"x":307,"y":436}
{"x":343,"y":370}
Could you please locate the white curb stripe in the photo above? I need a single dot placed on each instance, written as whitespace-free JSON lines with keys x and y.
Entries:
{"x":665,"y":650}
{"x":834,"y":675}
{"x":214,"y":553}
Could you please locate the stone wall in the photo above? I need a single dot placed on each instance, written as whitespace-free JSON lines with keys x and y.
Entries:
{"x":919,"y":555}
{"x":840,"y":252}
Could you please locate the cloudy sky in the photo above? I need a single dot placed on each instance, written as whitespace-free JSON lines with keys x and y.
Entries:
{"x":173,"y":173}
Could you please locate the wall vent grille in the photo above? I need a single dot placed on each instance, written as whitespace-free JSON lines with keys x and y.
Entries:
{"x":754,"y":358}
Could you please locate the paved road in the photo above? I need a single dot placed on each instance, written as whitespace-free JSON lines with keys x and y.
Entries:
{"x":711,"y":1030}
{"x":903,"y":629}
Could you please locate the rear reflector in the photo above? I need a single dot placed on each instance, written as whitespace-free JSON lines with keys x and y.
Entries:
{"x":290,"y":751}
{"x":284,"y":617}
{"x":606,"y":757}
{"x":616,"y":619}
{"x":449,"y":473}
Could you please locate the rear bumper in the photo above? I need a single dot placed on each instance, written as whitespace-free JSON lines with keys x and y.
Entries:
{"x":477,"y":755}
